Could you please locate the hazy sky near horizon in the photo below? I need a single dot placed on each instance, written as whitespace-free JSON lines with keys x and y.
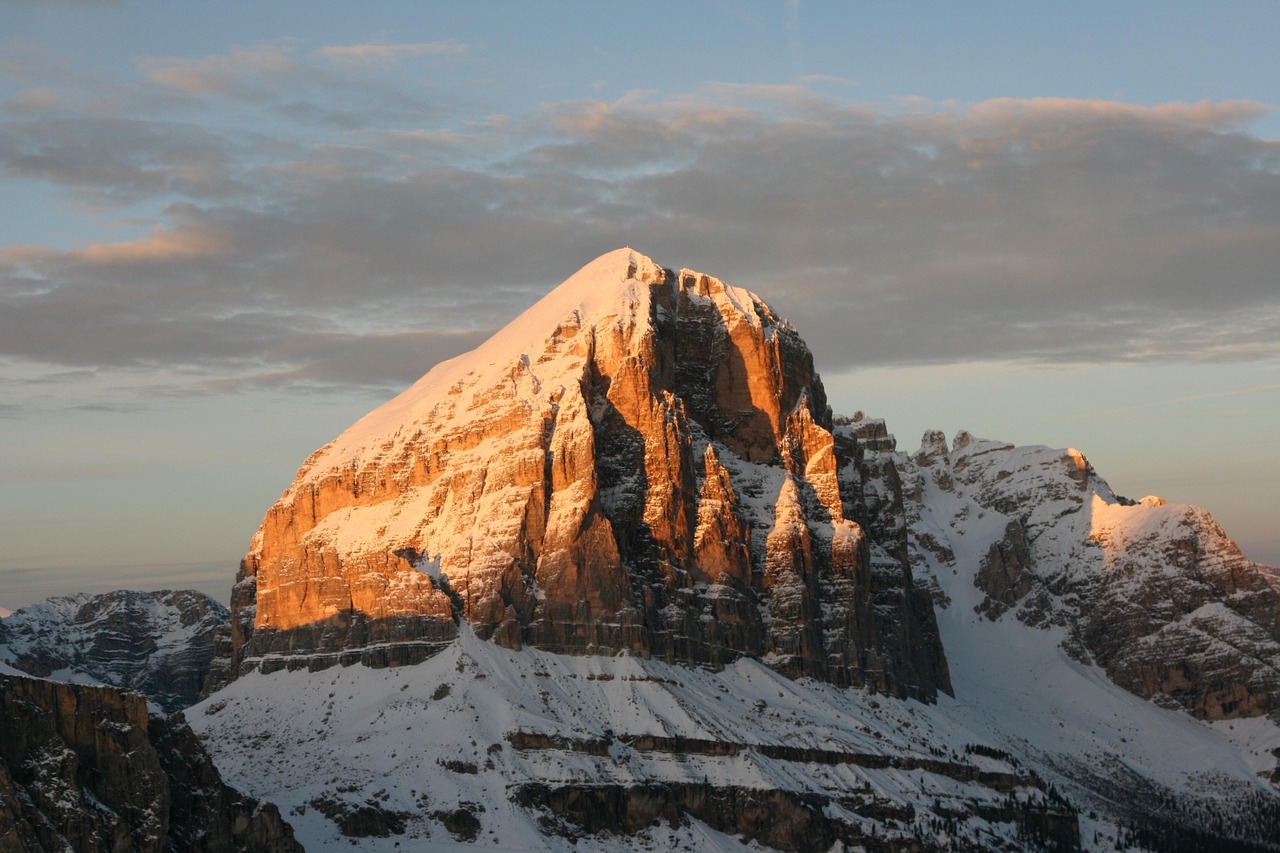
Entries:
{"x":230,"y":229}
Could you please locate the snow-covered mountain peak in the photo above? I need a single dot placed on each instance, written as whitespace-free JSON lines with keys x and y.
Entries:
{"x":614,"y":285}
{"x":158,"y":643}
{"x":651,"y":580}
{"x":553,"y":488}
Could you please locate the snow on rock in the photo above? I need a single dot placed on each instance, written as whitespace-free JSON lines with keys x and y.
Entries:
{"x":643,"y":461}
{"x":157,"y":643}
{"x":507,"y":749}
{"x":1153,"y":592}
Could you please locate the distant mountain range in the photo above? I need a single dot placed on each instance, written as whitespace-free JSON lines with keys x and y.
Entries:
{"x":157,"y":643}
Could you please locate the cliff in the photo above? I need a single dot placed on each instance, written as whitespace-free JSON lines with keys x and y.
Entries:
{"x":643,"y":462}
{"x":85,"y":768}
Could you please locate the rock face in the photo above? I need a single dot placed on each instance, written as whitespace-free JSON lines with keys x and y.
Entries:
{"x":83,"y":768}
{"x":644,"y":462}
{"x":157,"y":643}
{"x":1153,"y":592}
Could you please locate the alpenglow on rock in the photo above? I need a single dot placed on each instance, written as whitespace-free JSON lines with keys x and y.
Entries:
{"x":642,"y":462}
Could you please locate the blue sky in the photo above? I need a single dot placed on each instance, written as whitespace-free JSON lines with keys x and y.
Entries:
{"x":231,"y":229}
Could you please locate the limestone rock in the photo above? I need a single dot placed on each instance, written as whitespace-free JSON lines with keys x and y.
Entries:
{"x":643,"y":462}
{"x":86,"y":767}
{"x":1004,"y":573}
{"x":1153,"y":592}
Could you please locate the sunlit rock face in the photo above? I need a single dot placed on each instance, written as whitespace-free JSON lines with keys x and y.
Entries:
{"x":643,"y":462}
{"x":1179,"y":614}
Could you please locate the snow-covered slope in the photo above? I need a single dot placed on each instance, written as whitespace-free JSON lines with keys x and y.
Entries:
{"x":531,"y":750}
{"x":1153,"y":592}
{"x":1038,"y":749}
{"x":157,"y":643}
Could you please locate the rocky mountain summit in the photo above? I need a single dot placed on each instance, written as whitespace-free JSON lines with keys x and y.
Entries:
{"x":658,"y":596}
{"x":159,"y":644}
{"x":643,"y":462}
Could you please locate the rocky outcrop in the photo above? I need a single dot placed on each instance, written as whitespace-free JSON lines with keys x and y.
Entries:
{"x":1004,"y":574}
{"x":643,"y":462}
{"x":84,"y":768}
{"x":157,"y":643}
{"x":1180,"y":615}
{"x":776,"y":819}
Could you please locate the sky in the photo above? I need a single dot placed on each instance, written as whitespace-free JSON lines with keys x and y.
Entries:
{"x":230,"y":229}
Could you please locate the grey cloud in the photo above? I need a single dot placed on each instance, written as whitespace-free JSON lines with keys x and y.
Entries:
{"x":1062,"y":231}
{"x":268,"y":77}
{"x":121,"y":160}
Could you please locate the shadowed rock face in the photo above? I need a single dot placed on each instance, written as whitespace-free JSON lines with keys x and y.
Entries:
{"x":642,"y":462}
{"x":86,"y":767}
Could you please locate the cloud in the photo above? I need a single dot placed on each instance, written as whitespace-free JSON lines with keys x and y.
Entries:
{"x":270,"y":78}
{"x":224,"y":74}
{"x":360,"y":243}
{"x":107,"y":160}
{"x":373,"y":54}
{"x":162,"y":244}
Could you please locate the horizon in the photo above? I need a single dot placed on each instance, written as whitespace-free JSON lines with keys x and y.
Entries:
{"x":233,"y":232}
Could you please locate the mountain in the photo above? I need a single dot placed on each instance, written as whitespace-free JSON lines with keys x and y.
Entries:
{"x":643,"y":462}
{"x":1153,"y":593}
{"x":85,"y":768}
{"x":656,"y":595}
{"x":159,"y":644}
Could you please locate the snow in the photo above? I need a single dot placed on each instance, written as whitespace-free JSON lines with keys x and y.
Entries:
{"x":128,"y":639}
{"x":393,"y":735}
{"x":591,"y":295}
{"x":392,"y":731}
{"x":614,"y":288}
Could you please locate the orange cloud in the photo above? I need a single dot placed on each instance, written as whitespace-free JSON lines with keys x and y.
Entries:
{"x":215,"y":74}
{"x":351,"y":55}
{"x":1207,"y":114}
{"x":161,"y":244}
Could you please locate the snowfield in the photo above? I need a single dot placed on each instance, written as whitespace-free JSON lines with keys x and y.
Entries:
{"x":419,"y":743}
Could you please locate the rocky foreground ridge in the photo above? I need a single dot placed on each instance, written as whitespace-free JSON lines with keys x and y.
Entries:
{"x":87,"y":769}
{"x":643,"y":462}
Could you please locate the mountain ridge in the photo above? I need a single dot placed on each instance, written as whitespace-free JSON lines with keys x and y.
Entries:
{"x":579,"y":483}
{"x":160,"y":644}
{"x":665,"y":597}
